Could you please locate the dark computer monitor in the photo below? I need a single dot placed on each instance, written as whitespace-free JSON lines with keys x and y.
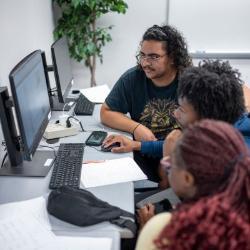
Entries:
{"x":31,"y":103}
{"x":62,"y":69}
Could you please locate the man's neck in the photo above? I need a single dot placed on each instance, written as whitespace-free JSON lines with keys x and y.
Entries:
{"x":166,"y":80}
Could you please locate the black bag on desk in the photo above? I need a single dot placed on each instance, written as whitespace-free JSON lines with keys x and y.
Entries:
{"x":80,"y":207}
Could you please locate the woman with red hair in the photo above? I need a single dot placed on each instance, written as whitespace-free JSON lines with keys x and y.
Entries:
{"x":210,"y":171}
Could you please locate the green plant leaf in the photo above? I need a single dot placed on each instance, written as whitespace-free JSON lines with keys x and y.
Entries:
{"x":78,"y":23}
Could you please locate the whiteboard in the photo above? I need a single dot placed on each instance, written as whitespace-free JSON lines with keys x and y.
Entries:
{"x":212,"y":25}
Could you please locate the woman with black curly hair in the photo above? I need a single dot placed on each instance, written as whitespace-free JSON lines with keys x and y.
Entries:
{"x":148,"y":92}
{"x":210,"y":170}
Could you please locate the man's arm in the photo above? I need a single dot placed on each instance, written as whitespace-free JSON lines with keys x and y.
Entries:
{"x":120,"y":121}
{"x":116,"y":120}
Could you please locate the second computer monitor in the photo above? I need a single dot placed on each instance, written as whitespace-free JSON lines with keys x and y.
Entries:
{"x":62,"y":68}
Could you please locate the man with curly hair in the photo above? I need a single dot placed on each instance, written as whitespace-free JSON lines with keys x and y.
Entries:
{"x":148,"y":92}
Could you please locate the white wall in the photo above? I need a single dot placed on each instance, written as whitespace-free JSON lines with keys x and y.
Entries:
{"x":212,"y":25}
{"x":215,"y":26}
{"x":119,"y":55}
{"x":25,"y":26}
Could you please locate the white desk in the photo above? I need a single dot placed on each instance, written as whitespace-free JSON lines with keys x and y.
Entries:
{"x":122,"y":194}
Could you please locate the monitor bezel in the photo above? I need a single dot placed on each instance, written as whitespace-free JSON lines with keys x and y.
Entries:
{"x":61,"y":96}
{"x":28,"y":151}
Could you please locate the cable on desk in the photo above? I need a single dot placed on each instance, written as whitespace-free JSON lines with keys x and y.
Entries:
{"x":51,"y":141}
{"x":44,"y":138}
{"x":84,"y":130}
{"x":45,"y":146}
{"x":68,"y":124}
{"x":64,"y":107}
{"x":94,"y":148}
{"x":4,"y":159}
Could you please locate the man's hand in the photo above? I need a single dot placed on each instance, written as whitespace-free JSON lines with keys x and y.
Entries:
{"x":142,"y":133}
{"x":145,"y":214}
{"x":126,"y":144}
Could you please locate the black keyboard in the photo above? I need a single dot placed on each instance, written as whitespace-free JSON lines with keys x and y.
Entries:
{"x":67,"y":166}
{"x":84,"y":106}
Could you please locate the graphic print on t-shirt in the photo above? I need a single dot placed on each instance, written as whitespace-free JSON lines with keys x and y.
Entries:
{"x":158,"y":117}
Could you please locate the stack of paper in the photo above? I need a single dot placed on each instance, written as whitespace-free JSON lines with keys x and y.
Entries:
{"x":25,"y":226}
{"x":36,"y":208}
{"x":111,"y":172}
{"x":80,"y":243}
{"x":24,"y":232}
{"x":96,"y":94}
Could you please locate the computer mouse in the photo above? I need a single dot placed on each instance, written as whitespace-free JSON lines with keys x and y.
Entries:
{"x":109,"y":148}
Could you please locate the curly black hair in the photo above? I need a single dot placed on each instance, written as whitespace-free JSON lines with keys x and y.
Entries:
{"x":214,"y":89}
{"x":174,"y":43}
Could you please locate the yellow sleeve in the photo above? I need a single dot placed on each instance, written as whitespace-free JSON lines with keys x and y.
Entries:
{"x":151,"y":230}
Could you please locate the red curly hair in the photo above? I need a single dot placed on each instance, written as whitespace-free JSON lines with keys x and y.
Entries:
{"x":219,"y":218}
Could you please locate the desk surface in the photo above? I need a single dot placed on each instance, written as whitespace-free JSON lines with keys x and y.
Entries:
{"x":122,"y":194}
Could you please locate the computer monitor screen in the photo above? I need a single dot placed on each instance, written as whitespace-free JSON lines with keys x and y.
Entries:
{"x":62,"y":68}
{"x":30,"y":95}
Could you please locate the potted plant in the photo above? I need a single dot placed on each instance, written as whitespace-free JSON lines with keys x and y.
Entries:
{"x":78,"y":24}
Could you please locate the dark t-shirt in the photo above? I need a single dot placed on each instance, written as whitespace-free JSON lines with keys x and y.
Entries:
{"x":146,"y":103}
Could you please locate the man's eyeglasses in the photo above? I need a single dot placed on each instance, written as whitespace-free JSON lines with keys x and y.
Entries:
{"x":150,"y":58}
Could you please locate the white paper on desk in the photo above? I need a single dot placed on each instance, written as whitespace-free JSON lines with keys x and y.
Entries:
{"x":96,"y":94}
{"x":111,"y":172}
{"x":81,"y":243}
{"x":36,"y":207}
{"x":24,"y":232}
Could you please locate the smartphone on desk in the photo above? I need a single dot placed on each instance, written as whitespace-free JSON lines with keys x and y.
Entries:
{"x":96,"y":138}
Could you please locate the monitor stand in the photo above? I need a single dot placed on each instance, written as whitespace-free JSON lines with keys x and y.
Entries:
{"x":58,"y":106}
{"x":38,"y":167}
